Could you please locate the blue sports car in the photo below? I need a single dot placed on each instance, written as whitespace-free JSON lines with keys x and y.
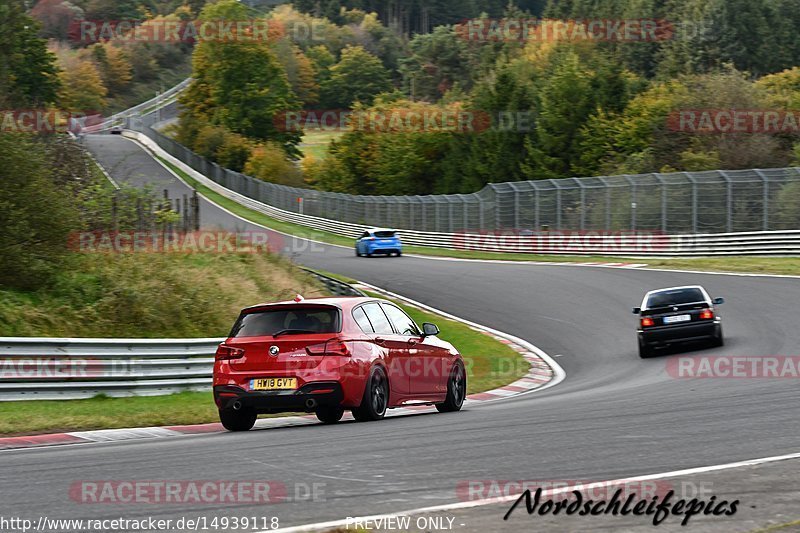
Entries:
{"x":379,"y":241}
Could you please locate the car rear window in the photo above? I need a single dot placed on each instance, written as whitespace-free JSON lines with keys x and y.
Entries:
{"x":385,"y":234}
{"x":271,"y":321}
{"x":674,"y":297}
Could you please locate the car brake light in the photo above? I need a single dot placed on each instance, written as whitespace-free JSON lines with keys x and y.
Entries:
{"x":647,"y":322}
{"x":706,"y":314}
{"x":226,"y":353}
{"x":332,"y":347}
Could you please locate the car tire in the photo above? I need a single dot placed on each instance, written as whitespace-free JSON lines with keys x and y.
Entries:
{"x":399,"y":253}
{"x":456,"y":390}
{"x":645,"y":351}
{"x":329,"y":415}
{"x":376,"y":397}
{"x":719,"y":339}
{"x":358,"y":254}
{"x":242,"y":420}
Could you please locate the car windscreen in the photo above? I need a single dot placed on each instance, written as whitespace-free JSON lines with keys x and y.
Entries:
{"x":288,"y":320}
{"x":384,"y":234}
{"x":674,"y":297}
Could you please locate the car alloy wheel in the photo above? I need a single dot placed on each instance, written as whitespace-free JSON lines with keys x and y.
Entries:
{"x":376,"y":398}
{"x":456,"y":390}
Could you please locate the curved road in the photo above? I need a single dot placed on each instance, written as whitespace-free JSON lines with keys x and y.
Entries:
{"x":614,"y":416}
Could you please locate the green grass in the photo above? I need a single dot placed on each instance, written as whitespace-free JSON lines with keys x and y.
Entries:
{"x":489,"y":363}
{"x":150,"y":295}
{"x":760,"y":265}
{"x":316,"y":143}
{"x":32,"y":417}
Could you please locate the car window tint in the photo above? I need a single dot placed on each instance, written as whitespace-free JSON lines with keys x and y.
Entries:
{"x":402,"y":323}
{"x":378,"y":319}
{"x":361,"y":319}
{"x":271,"y":321}
{"x":384,"y":234}
{"x":675,"y":297}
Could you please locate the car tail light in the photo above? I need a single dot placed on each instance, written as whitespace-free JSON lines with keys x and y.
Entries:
{"x":647,"y":322}
{"x":226,"y":353}
{"x":332,"y":347}
{"x":706,"y":314}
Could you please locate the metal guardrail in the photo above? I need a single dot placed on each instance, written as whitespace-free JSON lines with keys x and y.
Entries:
{"x":335,"y":286}
{"x":155,"y":103}
{"x":34,"y":368}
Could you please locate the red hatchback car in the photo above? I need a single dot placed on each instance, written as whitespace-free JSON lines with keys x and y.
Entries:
{"x":329,"y":355}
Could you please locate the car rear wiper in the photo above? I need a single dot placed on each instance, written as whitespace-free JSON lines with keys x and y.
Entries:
{"x":291,"y":332}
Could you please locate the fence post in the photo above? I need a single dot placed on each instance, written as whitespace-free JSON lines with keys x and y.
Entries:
{"x":729,"y":201}
{"x":663,"y":185}
{"x":196,"y":210}
{"x":765,"y":200}
{"x":633,"y":198}
{"x":694,"y":202}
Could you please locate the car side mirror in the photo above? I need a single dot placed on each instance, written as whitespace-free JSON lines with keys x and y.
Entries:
{"x":430,"y":330}
{"x":719,"y":301}
{"x":637,"y":310}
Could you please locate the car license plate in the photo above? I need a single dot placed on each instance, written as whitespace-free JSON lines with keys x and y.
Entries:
{"x":273,"y":383}
{"x":677,"y":318}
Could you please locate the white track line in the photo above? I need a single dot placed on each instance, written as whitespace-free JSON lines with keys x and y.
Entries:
{"x":560,"y":490}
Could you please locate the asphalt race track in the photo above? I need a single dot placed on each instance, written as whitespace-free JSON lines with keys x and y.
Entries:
{"x":614,"y":416}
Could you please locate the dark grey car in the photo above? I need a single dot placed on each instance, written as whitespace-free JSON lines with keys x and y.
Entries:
{"x":678,"y":314}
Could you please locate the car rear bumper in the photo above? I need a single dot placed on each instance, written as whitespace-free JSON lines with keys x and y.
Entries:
{"x":682,"y":332}
{"x":306,"y":398}
{"x":385,"y":248}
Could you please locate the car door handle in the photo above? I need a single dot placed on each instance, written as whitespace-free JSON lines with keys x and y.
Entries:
{"x":380,"y":341}
{"x":413,"y":342}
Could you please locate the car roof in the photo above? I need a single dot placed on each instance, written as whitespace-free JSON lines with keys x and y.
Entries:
{"x":656,"y":291}
{"x":373,"y":230}
{"x":676,"y":289}
{"x":345,"y":302}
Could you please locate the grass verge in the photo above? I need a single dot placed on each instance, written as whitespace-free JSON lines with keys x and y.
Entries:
{"x":758,"y":265}
{"x":489,"y":364}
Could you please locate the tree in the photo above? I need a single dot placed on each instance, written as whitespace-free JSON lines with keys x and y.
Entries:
{"x":358,"y":77}
{"x":115,"y":67}
{"x":82,"y":87}
{"x":28,"y":74}
{"x":268,"y":162}
{"x":438,"y":61}
{"x":239,"y":84}
{"x":300,"y":71}
{"x":564,"y":104}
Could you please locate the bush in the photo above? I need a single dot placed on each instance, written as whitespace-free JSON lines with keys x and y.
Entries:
{"x":37,"y":214}
{"x":268,"y":163}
